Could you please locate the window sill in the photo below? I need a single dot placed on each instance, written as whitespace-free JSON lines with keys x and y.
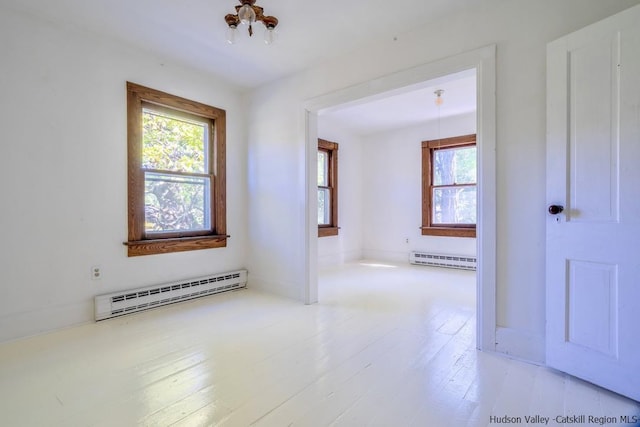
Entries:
{"x":181,"y":244}
{"x":449,"y":231}
{"x":327,"y":231}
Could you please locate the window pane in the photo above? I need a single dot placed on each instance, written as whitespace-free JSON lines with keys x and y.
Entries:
{"x":323,"y":168}
{"x":176,"y":203}
{"x":324,"y":206}
{"x":454,"y":166}
{"x":454,"y":205}
{"x":175,"y":144}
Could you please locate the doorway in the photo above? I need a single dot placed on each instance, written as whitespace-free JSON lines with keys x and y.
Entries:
{"x":482,"y":62}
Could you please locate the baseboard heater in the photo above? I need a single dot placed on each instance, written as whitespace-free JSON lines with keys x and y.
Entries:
{"x":462,"y":262}
{"x":134,"y":300}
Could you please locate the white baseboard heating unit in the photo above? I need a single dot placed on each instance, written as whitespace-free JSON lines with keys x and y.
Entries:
{"x":131,"y":301}
{"x":462,"y":262}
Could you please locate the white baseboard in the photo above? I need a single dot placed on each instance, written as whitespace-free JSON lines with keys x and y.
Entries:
{"x":328,"y":261}
{"x":350,"y":256}
{"x":335,"y":259}
{"x":389,"y":256}
{"x":279,"y":288}
{"x":36,"y":322}
{"x":521,"y":345}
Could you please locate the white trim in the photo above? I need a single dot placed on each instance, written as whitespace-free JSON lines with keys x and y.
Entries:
{"x":483,"y":61}
{"x":335,"y":259}
{"x":386,"y":256}
{"x":52,"y":318}
{"x":487,"y":202}
{"x":520,"y":345}
{"x":311,"y":205}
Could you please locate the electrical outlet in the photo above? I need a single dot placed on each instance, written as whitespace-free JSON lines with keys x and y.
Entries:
{"x":406,"y":240}
{"x":96,"y":272}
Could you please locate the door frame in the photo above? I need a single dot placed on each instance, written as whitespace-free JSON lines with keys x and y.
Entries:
{"x":483,"y":60}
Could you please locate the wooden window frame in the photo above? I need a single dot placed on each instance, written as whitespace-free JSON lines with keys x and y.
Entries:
{"x":138,"y":242}
{"x":428,"y":148}
{"x":331,"y":148}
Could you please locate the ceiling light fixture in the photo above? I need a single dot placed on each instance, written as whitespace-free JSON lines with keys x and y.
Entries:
{"x":247,"y":13}
{"x":438,"y":93}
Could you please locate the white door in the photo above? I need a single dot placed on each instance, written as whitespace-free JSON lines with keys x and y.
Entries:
{"x":593,"y":172}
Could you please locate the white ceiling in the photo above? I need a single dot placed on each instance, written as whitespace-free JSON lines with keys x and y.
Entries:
{"x":409,"y":108}
{"x":192,"y":32}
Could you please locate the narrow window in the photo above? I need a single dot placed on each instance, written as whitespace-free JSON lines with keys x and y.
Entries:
{"x":176,"y":156}
{"x":449,"y":190}
{"x":327,"y":188}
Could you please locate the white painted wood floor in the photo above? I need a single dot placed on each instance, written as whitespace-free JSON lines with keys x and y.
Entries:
{"x":387,"y":346}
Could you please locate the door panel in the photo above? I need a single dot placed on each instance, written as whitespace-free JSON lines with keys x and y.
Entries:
{"x":593,"y":170}
{"x":593,"y":306}
{"x":593,"y":130}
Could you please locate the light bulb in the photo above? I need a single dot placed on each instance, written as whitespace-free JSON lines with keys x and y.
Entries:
{"x":270,"y":35}
{"x":232,"y":33}
{"x":246,"y":14}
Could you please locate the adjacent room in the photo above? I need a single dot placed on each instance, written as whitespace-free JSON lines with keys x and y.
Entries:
{"x":382,"y":158}
{"x":270,"y":213}
{"x":374,"y":156}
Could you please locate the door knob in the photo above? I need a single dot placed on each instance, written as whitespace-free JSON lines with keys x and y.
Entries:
{"x":555,"y":209}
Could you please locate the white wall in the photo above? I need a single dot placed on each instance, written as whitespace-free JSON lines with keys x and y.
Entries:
{"x":64,"y":177}
{"x":347,"y":245}
{"x":393,"y":192}
{"x":520,"y":29}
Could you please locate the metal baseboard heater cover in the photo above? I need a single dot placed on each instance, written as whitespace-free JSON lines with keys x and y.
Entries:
{"x":134,"y":300}
{"x":462,"y":262}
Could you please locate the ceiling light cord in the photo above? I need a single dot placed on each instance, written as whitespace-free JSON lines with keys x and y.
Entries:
{"x":439,"y":101}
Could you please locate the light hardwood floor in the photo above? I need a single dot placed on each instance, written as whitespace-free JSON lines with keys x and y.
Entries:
{"x":387,"y":346}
